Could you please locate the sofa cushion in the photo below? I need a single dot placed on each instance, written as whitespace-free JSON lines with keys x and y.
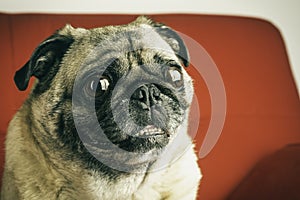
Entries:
{"x":275,"y":177}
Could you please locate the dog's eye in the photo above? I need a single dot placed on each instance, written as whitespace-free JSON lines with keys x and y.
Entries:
{"x":175,"y":76}
{"x":96,"y":85}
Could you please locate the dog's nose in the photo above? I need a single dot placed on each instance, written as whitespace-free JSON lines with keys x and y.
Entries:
{"x":148,"y":95}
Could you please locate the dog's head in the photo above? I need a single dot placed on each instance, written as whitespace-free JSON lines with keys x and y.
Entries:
{"x":121,"y":86}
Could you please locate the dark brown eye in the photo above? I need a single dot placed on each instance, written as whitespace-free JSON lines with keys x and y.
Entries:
{"x":175,"y":76}
{"x":96,"y":86}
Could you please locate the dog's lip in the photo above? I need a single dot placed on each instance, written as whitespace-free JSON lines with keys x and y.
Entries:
{"x":150,"y":131}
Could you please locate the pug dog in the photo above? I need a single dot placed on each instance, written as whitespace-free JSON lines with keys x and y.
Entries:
{"x":107,"y":117}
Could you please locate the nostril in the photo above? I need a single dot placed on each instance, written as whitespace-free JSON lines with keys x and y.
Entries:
{"x":155,"y":92}
{"x":140,"y":93}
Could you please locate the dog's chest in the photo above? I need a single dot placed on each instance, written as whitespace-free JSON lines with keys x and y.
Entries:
{"x":135,"y":187}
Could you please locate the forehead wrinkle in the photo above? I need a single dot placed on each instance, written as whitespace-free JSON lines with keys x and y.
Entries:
{"x":152,"y":40}
{"x":141,"y":37}
{"x":99,"y":62}
{"x":143,"y":40}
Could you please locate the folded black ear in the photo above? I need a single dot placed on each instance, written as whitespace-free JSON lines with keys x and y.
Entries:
{"x":22,"y":77}
{"x":46,"y":57}
{"x":175,"y":41}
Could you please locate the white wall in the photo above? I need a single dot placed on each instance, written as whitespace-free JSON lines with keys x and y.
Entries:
{"x":284,"y":14}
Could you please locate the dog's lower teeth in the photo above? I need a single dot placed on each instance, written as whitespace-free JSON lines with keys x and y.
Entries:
{"x":149,"y":130}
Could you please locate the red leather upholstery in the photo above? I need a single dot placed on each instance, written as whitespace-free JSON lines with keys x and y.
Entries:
{"x":263,"y":108}
{"x":275,"y":177}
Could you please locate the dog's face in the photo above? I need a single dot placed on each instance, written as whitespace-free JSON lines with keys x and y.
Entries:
{"x":120,"y":86}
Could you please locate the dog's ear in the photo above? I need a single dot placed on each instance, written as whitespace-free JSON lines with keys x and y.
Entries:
{"x":46,"y":56}
{"x":175,"y":41}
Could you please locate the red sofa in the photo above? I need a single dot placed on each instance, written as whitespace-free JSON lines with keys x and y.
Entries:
{"x":263,"y":108}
